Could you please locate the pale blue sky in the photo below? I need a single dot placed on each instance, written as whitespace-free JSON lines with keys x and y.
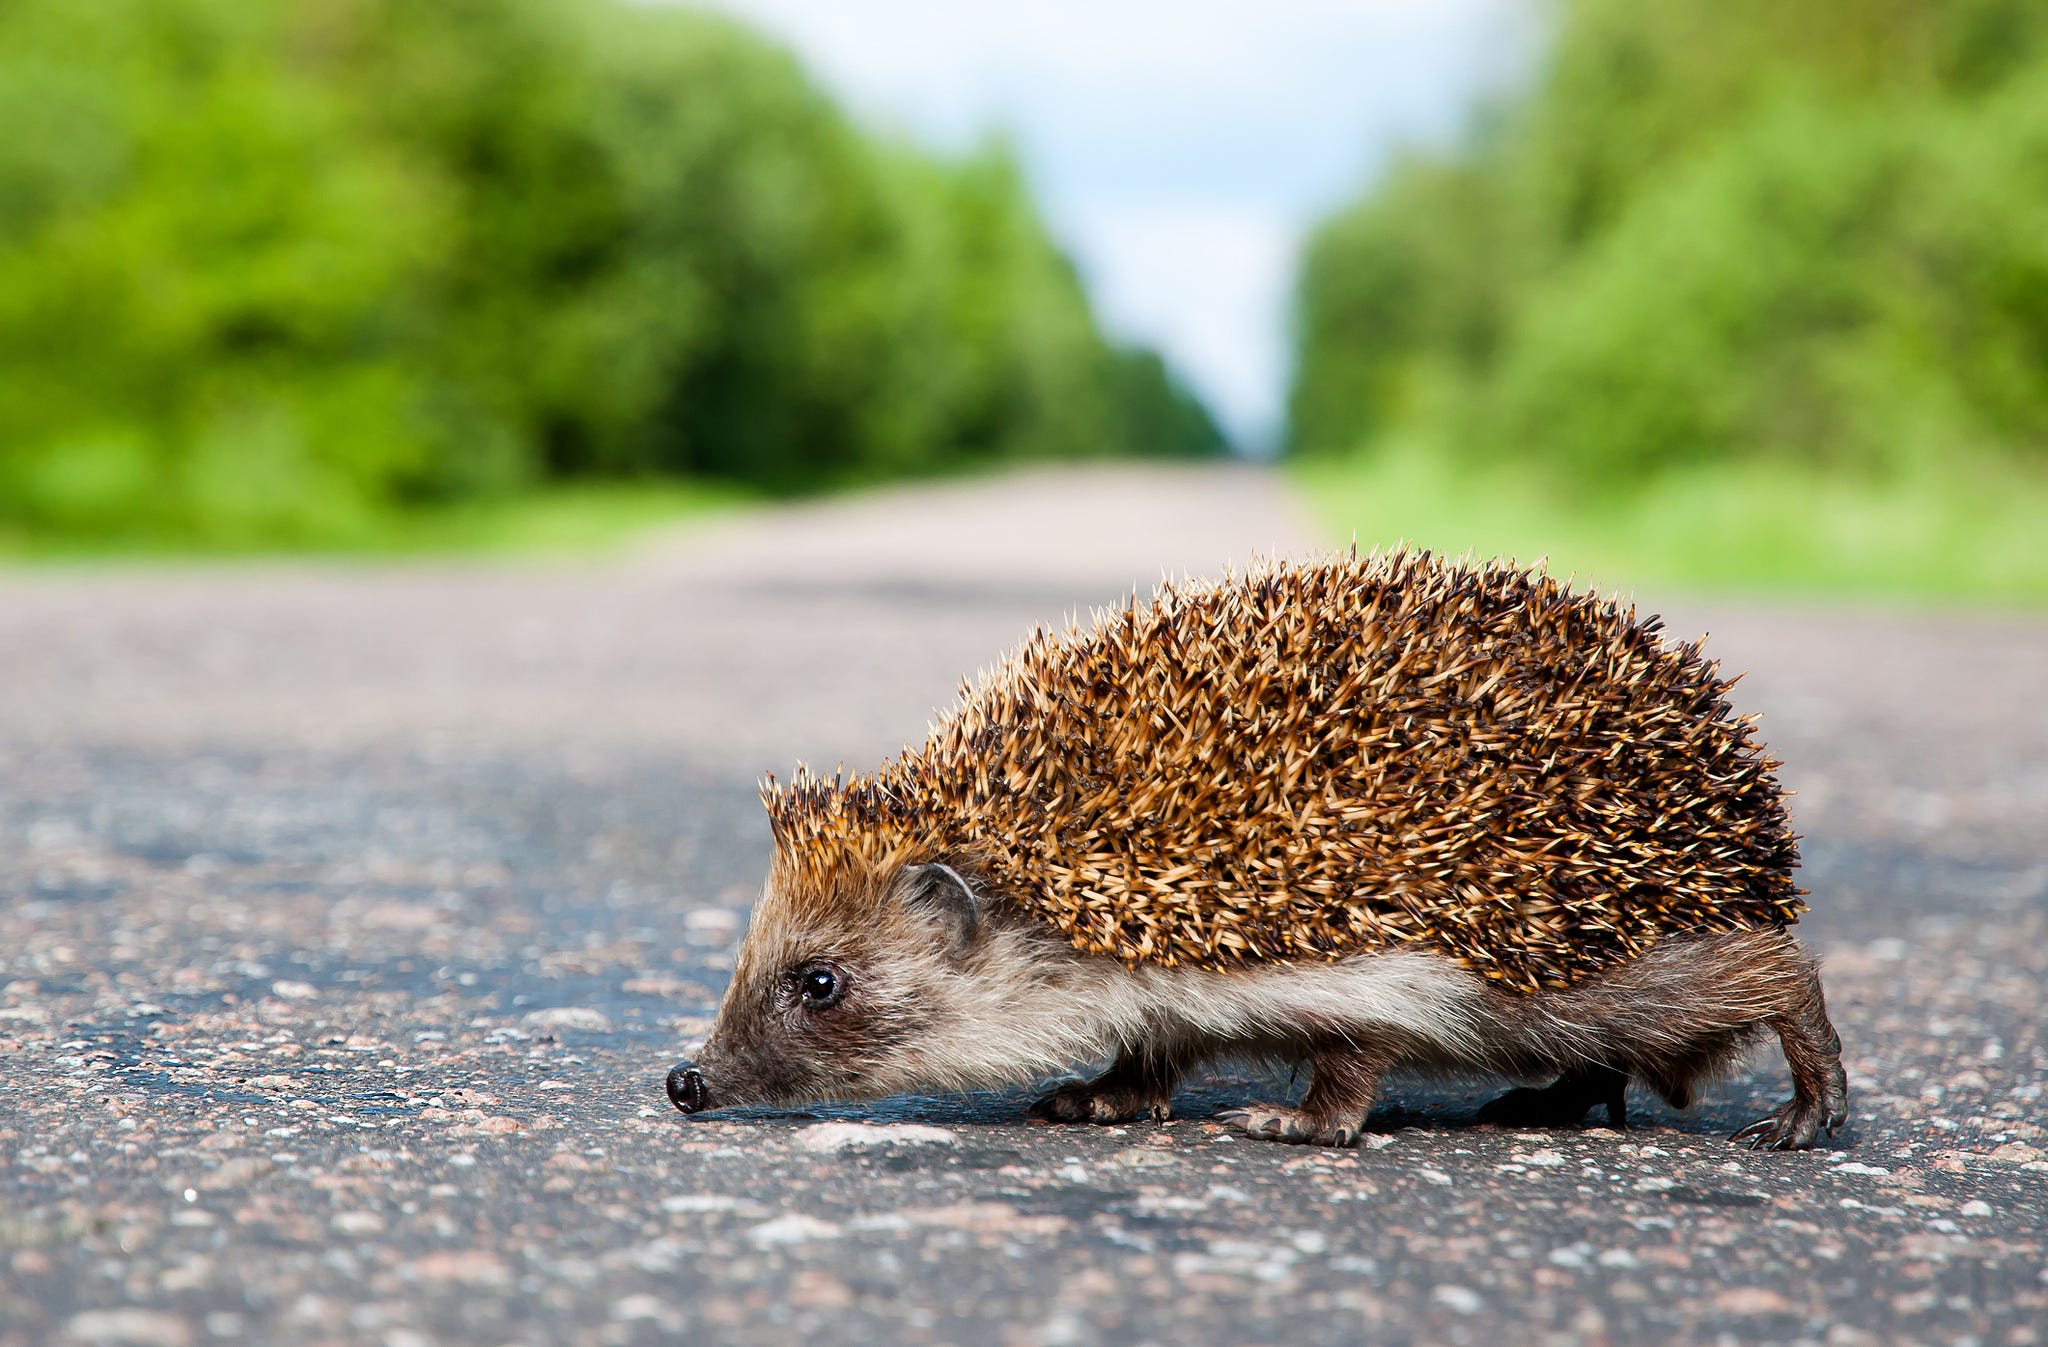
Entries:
{"x":1179,"y":149}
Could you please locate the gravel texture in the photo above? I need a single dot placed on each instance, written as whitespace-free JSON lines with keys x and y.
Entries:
{"x":350,"y":918}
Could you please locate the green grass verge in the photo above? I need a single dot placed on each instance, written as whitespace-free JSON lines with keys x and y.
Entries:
{"x":1977,"y":535}
{"x":585,"y":519}
{"x":581,"y":519}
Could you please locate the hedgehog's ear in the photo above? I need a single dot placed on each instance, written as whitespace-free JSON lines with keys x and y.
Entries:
{"x":945,"y":894}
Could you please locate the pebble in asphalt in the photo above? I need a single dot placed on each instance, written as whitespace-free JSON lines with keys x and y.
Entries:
{"x":351,"y":916}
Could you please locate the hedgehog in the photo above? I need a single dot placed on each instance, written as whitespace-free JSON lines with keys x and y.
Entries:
{"x":1358,"y":813}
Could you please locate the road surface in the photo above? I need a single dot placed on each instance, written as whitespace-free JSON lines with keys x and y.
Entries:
{"x":350,"y":916}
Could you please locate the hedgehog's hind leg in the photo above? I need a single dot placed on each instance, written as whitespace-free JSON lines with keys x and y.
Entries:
{"x":1820,"y":1088}
{"x":1342,"y":1084}
{"x":1564,"y":1103}
{"x":1140,"y":1082}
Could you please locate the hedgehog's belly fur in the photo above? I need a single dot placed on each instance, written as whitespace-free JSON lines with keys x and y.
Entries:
{"x":1669,"y":1018}
{"x":1410,"y":995}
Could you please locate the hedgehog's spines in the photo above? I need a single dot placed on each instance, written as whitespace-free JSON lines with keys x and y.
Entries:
{"x":1301,"y":762}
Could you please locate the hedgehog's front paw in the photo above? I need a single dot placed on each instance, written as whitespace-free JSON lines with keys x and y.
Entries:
{"x":1296,"y":1126}
{"x":1102,"y":1101}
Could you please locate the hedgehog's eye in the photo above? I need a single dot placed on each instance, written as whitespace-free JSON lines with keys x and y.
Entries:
{"x":820,"y":985}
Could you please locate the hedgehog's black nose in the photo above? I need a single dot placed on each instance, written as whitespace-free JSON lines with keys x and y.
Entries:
{"x":686,"y":1088}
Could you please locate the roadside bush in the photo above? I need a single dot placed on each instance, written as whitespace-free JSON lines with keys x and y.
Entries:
{"x":1863,"y":291}
{"x":1709,"y":233}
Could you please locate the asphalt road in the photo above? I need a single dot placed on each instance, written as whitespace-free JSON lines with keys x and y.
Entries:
{"x":350,"y":917}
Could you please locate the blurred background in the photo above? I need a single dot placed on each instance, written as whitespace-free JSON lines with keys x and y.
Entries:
{"x":1732,"y":295}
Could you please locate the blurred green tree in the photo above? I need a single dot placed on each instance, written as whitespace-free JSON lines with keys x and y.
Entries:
{"x":272,"y":268}
{"x":1711,"y":230}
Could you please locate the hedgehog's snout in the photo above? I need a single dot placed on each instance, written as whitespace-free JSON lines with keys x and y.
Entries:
{"x":686,"y":1089}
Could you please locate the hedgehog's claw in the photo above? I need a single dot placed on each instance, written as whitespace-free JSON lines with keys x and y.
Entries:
{"x":1291,"y":1125}
{"x":1795,"y":1126}
{"x":1100,"y":1101}
{"x":1754,"y":1133}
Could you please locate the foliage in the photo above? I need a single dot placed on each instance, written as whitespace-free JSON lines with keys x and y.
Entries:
{"x":1865,"y":292}
{"x":1717,"y":242}
{"x":1940,"y":533}
{"x":271,"y":268}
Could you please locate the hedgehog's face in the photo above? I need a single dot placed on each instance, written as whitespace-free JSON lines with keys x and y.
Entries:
{"x":837,"y":993}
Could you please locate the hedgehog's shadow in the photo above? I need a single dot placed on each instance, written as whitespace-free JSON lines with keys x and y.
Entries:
{"x":1411,"y":1105}
{"x":1420,"y":1104}
{"x":975,"y":1108}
